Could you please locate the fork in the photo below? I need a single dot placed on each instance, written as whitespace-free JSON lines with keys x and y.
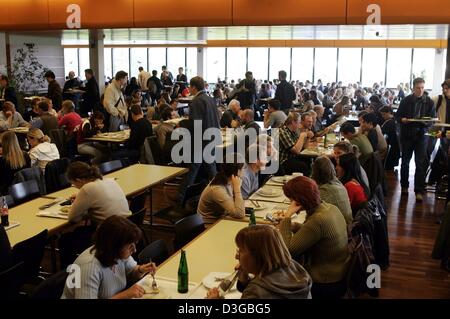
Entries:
{"x":154,"y":284}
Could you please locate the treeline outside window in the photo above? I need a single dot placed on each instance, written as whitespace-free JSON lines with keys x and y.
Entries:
{"x":349,"y":65}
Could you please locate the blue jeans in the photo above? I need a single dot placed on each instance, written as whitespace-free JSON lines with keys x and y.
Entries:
{"x":418,"y":145}
{"x":190,"y":177}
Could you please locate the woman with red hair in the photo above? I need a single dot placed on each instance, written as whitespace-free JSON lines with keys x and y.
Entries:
{"x":323,"y":236}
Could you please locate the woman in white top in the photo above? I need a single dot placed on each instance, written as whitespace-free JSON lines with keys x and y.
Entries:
{"x":97,"y":198}
{"x":107,"y":266}
{"x":41,"y":150}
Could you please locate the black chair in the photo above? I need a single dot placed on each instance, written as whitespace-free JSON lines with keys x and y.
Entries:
{"x":24,"y":191}
{"x":52,"y":288}
{"x":9,"y":200}
{"x":137,"y":203}
{"x":111,"y":166}
{"x":187,"y":229}
{"x":59,"y":138}
{"x":31,"y":174}
{"x":11,"y":281}
{"x":30,"y":252}
{"x":55,"y":179}
{"x":188,"y":206}
{"x":156,"y":252}
{"x":138,"y":220}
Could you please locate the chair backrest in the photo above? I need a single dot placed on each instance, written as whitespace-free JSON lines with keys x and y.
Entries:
{"x":52,"y":288}
{"x":137,"y":203}
{"x":157,"y":152}
{"x":187,"y":229}
{"x":9,"y":200}
{"x":31,"y":252}
{"x":137,"y":218}
{"x":193,"y":193}
{"x":146,"y":156}
{"x":157,"y":252}
{"x":111,"y":166}
{"x":55,"y":175}
{"x":24,"y":191}
{"x":29,"y":174}
{"x":59,"y":138}
{"x":10,"y":281}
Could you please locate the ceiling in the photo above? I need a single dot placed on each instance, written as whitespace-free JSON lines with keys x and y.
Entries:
{"x":193,"y":35}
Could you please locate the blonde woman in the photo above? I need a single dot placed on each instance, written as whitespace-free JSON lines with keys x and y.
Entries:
{"x":41,"y":150}
{"x":12,"y":161}
{"x":262,"y":252}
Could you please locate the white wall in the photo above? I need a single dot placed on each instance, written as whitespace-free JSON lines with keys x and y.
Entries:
{"x":48,"y":51}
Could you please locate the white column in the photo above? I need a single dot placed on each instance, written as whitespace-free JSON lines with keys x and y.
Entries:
{"x":201,"y":53}
{"x":96,"y":56}
{"x":3,"y":56}
{"x":439,"y":69}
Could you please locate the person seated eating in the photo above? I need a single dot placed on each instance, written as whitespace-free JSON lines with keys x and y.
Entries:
{"x":90,"y":127}
{"x":292,"y":143}
{"x":223,"y":197}
{"x":262,"y":252}
{"x":230,"y":118}
{"x":9,"y":118}
{"x":274,"y":117}
{"x":323,"y":237}
{"x":255,"y":161}
{"x":41,"y":150}
{"x":331,"y":189}
{"x":162,"y":128}
{"x":47,"y":120}
{"x":348,"y":171}
{"x":13,"y":159}
{"x":365,"y":148}
{"x":97,"y":198}
{"x":108,"y":266}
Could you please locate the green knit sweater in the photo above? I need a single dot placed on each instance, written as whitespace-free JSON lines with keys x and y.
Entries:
{"x":324,"y":237}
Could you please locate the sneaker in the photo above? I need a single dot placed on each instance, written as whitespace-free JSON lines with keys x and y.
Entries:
{"x":419,"y":197}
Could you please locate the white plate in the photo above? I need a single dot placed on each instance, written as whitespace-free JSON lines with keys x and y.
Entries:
{"x":261,"y":206}
{"x":212,"y":280}
{"x":268,"y":193}
{"x":278,"y":179}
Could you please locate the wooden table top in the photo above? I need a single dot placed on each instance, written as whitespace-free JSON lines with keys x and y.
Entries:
{"x":133,"y":179}
{"x":212,"y":251}
{"x":111,"y":137}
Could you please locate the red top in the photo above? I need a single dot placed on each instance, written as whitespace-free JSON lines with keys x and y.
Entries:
{"x":71,"y":121}
{"x":356,"y":194}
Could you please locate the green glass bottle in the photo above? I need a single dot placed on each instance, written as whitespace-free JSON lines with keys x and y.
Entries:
{"x":252,"y":220}
{"x":183,"y":274}
{"x":325,"y":141}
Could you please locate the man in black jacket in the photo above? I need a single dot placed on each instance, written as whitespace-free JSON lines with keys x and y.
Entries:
{"x":91,"y":96}
{"x":412,"y":135}
{"x":202,"y":108}
{"x":247,"y":94}
{"x":54,"y":92}
{"x":285,"y":92}
{"x":154,"y":86}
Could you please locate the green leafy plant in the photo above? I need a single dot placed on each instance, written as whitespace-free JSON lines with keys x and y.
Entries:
{"x":27,"y":72}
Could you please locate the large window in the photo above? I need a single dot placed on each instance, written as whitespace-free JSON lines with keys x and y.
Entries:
{"x":156,"y":59}
{"x":280,"y":59}
{"x":138,"y":58}
{"x":302,"y":64}
{"x":191,"y":67}
{"x":349,"y":66}
{"x":374,"y":65}
{"x":258,"y":63}
{"x":215,"y":64}
{"x":121,"y":60}
{"x":236,"y":63}
{"x":108,"y":63}
{"x":423,"y":65}
{"x":398,"y":67}
{"x":84,"y":62}
{"x":176,"y":57}
{"x":325,"y":65}
{"x":70,"y":61}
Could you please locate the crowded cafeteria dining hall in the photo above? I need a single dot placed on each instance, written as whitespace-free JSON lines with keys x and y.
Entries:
{"x":225,"y":149}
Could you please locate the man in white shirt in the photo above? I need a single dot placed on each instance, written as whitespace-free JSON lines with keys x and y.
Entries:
{"x":114,"y":101}
{"x":143,"y":78}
